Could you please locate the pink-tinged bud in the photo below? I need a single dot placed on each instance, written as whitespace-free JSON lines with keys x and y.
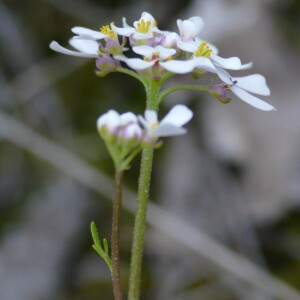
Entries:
{"x":128,"y":118}
{"x":108,"y":125}
{"x":105,"y":64}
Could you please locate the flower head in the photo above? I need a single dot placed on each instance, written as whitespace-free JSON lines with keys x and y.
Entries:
{"x":143,"y":29}
{"x":170,"y":125}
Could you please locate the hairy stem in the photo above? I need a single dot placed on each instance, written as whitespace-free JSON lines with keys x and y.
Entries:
{"x":115,"y":237}
{"x":167,"y":92}
{"x":142,"y":203}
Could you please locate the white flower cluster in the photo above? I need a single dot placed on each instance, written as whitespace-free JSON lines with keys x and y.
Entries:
{"x":125,"y":135}
{"x":161,"y":53}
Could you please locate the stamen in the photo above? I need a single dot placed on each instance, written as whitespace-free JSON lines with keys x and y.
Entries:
{"x":107,"y":30}
{"x":143,"y":26}
{"x":204,"y":50}
{"x":154,"y":125}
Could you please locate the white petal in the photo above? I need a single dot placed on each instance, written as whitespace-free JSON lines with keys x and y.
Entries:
{"x":85,"y":46}
{"x":127,"y":31}
{"x":188,"y":46}
{"x":164,"y":53}
{"x":205,"y":64}
{"x":252,"y":100}
{"x":144,"y":50}
{"x":232,"y":63}
{"x":127,"y":118}
{"x":224,"y":75}
{"x":198,"y":22}
{"x":246,"y":66}
{"x":178,"y":116}
{"x":142,"y":36}
{"x":179,"y":66}
{"x":56,"y":47}
{"x":97,"y":35}
{"x":139,"y":64}
{"x":135,"y":63}
{"x":147,"y":17}
{"x":164,"y":130}
{"x":151,"y":117}
{"x":188,"y":29}
{"x":143,"y":121}
{"x":254,"y":83}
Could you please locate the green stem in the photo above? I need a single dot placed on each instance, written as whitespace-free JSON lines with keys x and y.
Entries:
{"x":142,"y":203}
{"x":115,"y":237}
{"x":167,"y":92}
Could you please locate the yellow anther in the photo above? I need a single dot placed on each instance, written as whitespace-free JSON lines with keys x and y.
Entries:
{"x":154,"y":125}
{"x":143,"y":27}
{"x":107,"y":30}
{"x":204,"y":50}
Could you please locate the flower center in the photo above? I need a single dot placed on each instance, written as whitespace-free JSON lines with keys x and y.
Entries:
{"x":107,"y":30}
{"x":203,"y":50}
{"x":143,"y":27}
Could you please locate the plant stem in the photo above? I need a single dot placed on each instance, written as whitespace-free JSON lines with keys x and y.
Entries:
{"x":167,"y":92}
{"x":115,"y":237}
{"x":142,"y":203}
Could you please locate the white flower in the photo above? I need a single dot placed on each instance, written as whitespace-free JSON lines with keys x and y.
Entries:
{"x":144,"y":28}
{"x":170,"y":125}
{"x":244,"y":87}
{"x":86,"y":48}
{"x":190,"y":29}
{"x":159,"y":56}
{"x":202,"y":49}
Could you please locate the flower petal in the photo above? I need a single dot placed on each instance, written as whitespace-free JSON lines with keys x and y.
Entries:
{"x":150,"y":117}
{"x":246,"y":66}
{"x":58,"y":48}
{"x":188,"y":46}
{"x":198,"y":22}
{"x":144,"y":50}
{"x":139,"y":64}
{"x":85,"y":46}
{"x":254,"y":83}
{"x":127,"y":31}
{"x":178,"y":116}
{"x":224,"y":75}
{"x":142,"y":36}
{"x":86,"y":32}
{"x":232,"y":63}
{"x":163,"y":130}
{"x":164,"y":53}
{"x":205,"y":64}
{"x":179,"y":66}
{"x":252,"y":100}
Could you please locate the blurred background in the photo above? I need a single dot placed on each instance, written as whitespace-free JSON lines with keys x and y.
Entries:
{"x":231,"y":185}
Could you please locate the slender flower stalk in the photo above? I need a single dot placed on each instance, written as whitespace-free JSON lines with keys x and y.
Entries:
{"x":115,"y":237}
{"x":142,"y":203}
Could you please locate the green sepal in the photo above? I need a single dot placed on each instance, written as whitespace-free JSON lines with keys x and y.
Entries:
{"x":219,"y":98}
